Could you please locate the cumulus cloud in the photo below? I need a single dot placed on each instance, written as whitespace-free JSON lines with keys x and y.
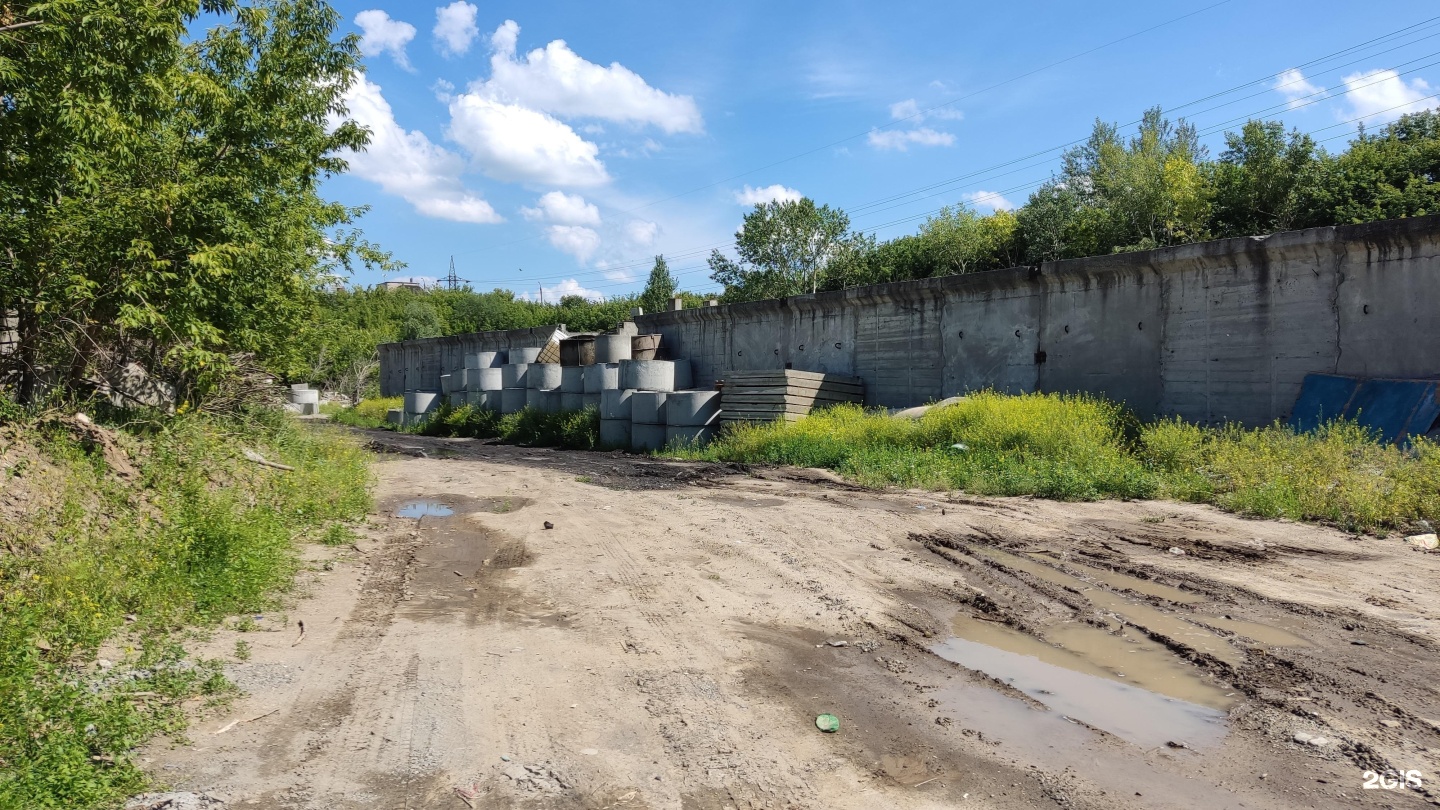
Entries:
{"x":570,"y":286}
{"x":759,"y":196}
{"x":564,"y":209}
{"x":1296,"y":89}
{"x":576,"y":240}
{"x":910,"y":108}
{"x":1380,"y":96}
{"x":408,"y":165}
{"x":455,"y":27}
{"x":556,"y":80}
{"x":641,"y":233}
{"x":901,"y":140}
{"x":513,"y":143}
{"x":379,"y":34}
{"x":988,"y":199}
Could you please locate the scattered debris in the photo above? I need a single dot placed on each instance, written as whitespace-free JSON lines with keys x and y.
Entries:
{"x":302,"y":634}
{"x":1429,"y":542}
{"x":838,"y":643}
{"x":176,"y":800}
{"x":251,"y":455}
{"x":549,"y":525}
{"x":1177,"y":551}
{"x":828,"y":723}
{"x":234,"y":723}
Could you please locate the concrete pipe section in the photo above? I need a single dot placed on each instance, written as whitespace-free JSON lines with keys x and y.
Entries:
{"x":514,"y":375}
{"x":486,"y":379}
{"x":615,"y":434}
{"x":601,"y":377}
{"x":689,"y":436}
{"x":304,"y":396}
{"x":655,"y":375}
{"x":458,"y":399}
{"x":544,"y":401}
{"x":571,"y":402}
{"x":590,"y":401}
{"x":512,"y":400}
{"x":483,"y":400}
{"x":545,"y":376}
{"x":612,"y":348}
{"x":447,"y":383}
{"x":645,"y":438}
{"x":485,"y":360}
{"x":615,"y":404}
{"x":692,"y":408}
{"x":420,"y":402}
{"x":572,"y":379}
{"x":648,"y":407}
{"x":524,"y":355}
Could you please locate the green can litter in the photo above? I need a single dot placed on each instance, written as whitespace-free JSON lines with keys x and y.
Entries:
{"x":828,"y":723}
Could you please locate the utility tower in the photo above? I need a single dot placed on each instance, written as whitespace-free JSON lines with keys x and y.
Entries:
{"x":453,"y":282}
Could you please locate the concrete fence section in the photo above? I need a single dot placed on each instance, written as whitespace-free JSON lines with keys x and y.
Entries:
{"x":416,"y":365}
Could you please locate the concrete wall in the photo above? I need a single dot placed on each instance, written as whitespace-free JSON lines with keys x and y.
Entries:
{"x":1214,"y":331}
{"x":416,"y":365}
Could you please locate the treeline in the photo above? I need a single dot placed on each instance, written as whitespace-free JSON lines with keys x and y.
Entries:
{"x":1155,"y":188}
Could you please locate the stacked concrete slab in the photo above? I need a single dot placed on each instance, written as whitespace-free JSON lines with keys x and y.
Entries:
{"x":765,"y":396}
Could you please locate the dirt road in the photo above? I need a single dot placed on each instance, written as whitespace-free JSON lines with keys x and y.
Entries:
{"x":671,"y":640}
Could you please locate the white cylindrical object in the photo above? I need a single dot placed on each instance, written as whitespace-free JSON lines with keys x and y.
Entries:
{"x":648,"y":407}
{"x":418,"y":402}
{"x":485,"y":360}
{"x":644,"y":438}
{"x":572,"y":379}
{"x":615,"y":404}
{"x":653,"y":375}
{"x":447,"y":383}
{"x":514,"y":375}
{"x":591,"y":400}
{"x":572,"y":402}
{"x":691,"y":408}
{"x":684,"y":375}
{"x":512,"y":400}
{"x":612,"y":348}
{"x":544,"y":376}
{"x":526,"y":355}
{"x":304,"y":396}
{"x":483,"y":400}
{"x":543,"y":400}
{"x":602,"y":377}
{"x":486,"y":379}
{"x":615,"y":434}
{"x":689,"y":436}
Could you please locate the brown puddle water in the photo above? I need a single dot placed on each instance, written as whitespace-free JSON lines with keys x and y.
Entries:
{"x":1120,"y":581}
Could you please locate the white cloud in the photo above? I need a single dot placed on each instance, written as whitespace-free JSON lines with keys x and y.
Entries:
{"x":576,"y":240}
{"x":988,"y":199}
{"x":513,"y":143}
{"x":760,"y":196}
{"x":619,"y":276}
{"x":564,"y":209}
{"x":901,"y":140}
{"x":380,"y":34}
{"x":910,"y":109}
{"x":408,"y":165}
{"x":1293,"y":85}
{"x":904,"y":109}
{"x":455,"y":27}
{"x":1381,"y":96}
{"x":555,"y":79}
{"x":554,"y":292}
{"x":641,"y":233}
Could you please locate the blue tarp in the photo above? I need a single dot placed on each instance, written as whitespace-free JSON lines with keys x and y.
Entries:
{"x":1398,"y":409}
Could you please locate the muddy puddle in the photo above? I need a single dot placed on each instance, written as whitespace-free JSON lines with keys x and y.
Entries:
{"x":1120,"y":682}
{"x":420,"y":509}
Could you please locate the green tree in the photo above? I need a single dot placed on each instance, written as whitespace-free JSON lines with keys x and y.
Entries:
{"x":783,"y":249}
{"x":421,"y":321}
{"x":660,"y":288}
{"x":1391,"y":174}
{"x":159,"y":195}
{"x":1266,"y":180}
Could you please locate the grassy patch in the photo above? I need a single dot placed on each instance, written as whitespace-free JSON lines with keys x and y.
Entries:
{"x":1083,"y":448}
{"x":198,"y":534}
{"x":368,"y":413}
{"x":572,"y":430}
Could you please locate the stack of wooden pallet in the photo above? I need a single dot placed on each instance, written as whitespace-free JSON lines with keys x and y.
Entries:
{"x":765,"y":396}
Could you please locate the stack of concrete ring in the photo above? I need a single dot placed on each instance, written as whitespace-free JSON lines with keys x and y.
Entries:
{"x":655,"y":407}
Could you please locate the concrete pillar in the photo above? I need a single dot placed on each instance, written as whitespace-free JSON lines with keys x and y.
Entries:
{"x":677,"y":303}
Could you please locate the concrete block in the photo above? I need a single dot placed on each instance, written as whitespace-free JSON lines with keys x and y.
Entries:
{"x":571,"y":401}
{"x":615,"y":404}
{"x":304,"y":396}
{"x":515,"y":375}
{"x":308,"y":408}
{"x":458,"y":399}
{"x":612,"y":348}
{"x":300,"y":386}
{"x":648,"y":407}
{"x":648,"y":375}
{"x":645,"y":438}
{"x":572,"y":379}
{"x":544,"y":401}
{"x":512,"y":400}
{"x":421,"y":402}
{"x":485,"y":379}
{"x":526,"y":355}
{"x":615,"y":433}
{"x":447,"y":383}
{"x":692,"y":408}
{"x":591,"y":400}
{"x":483,"y":400}
{"x":395,"y":416}
{"x":689,"y":436}
{"x":544,"y":376}
{"x":601,"y":377}
{"x":485,"y":360}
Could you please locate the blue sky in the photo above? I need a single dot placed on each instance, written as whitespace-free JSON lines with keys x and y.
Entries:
{"x":564,"y":144}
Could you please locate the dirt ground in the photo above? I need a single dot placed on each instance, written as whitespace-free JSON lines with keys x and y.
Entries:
{"x":671,"y":640}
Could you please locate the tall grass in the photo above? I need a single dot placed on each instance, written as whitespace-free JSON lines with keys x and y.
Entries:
{"x":198,"y":535}
{"x":572,"y":430}
{"x":1077,"y":447}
